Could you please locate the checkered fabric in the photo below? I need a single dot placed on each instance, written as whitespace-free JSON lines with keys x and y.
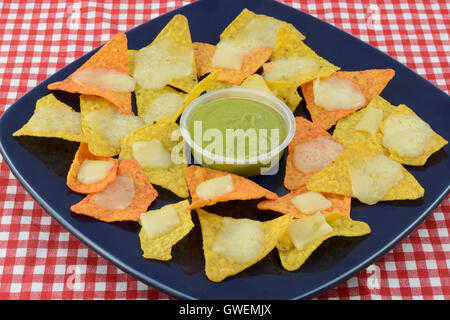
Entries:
{"x":41,"y":260}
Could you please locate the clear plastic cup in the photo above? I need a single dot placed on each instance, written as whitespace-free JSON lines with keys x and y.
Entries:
{"x":266,"y":163}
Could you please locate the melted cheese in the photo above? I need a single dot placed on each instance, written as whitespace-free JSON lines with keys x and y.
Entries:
{"x":370,"y":121}
{"x":151,"y":154}
{"x":159,"y":222}
{"x":408,"y":135}
{"x":117,"y":195}
{"x":240,"y":240}
{"x":374,"y":178}
{"x":303,"y":231}
{"x":336,"y":93}
{"x":215,"y":187}
{"x":315,"y":154}
{"x":228,"y":55}
{"x":107,"y":79}
{"x":165,"y":105}
{"x":311,"y":202}
{"x":92,"y":171}
{"x":286,"y":69}
{"x":159,"y":63}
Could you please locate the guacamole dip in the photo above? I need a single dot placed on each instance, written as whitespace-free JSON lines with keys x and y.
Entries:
{"x":236,"y":128}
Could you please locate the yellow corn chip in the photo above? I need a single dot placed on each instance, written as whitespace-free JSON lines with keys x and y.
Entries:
{"x":290,"y":46}
{"x":160,"y":247}
{"x":199,"y":88}
{"x":287,"y":92}
{"x":292,"y":258}
{"x":104,"y":125}
{"x":153,"y":105}
{"x":219,"y":85}
{"x":219,"y":267}
{"x":236,"y":29}
{"x":168,"y":133}
{"x":439,"y":142}
{"x":335,"y":178}
{"x":53,"y":119}
{"x":345,"y":132}
{"x":177,"y":31}
{"x":256,"y":82}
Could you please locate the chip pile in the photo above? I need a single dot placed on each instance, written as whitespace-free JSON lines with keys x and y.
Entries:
{"x":355,"y":145}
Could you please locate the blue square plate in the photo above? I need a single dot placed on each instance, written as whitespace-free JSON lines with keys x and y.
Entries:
{"x":41,"y":166}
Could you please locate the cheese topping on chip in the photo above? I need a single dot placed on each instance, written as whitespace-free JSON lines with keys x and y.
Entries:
{"x":151,"y":154}
{"x":228,"y":55}
{"x":261,"y":31}
{"x":92,"y":171}
{"x":256,"y":82}
{"x":315,"y":154}
{"x":370,"y":120}
{"x":215,"y":187}
{"x":159,"y":63}
{"x":107,"y":79}
{"x":287,"y":68}
{"x":311,"y":202}
{"x":112,"y":124}
{"x":407,"y":134}
{"x":165,"y":105}
{"x":336,"y":93}
{"x":303,"y":231}
{"x":117,"y":195}
{"x":373,"y":180}
{"x":158,"y":222}
{"x":240,"y":240}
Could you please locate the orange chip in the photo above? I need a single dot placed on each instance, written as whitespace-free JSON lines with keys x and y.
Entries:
{"x":339,"y":203}
{"x":305,"y":131}
{"x":204,"y":53}
{"x":72,"y":177}
{"x":243,"y":188}
{"x":144,"y":195}
{"x":113,"y":55}
{"x":370,"y":82}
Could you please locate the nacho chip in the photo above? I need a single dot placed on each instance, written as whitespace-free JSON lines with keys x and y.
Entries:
{"x":243,"y":188}
{"x":345,"y":132}
{"x":113,"y":55}
{"x":285,"y":91}
{"x":166,"y":132}
{"x":217,"y":265}
{"x":293,"y":61}
{"x":53,"y":119}
{"x":370,"y":82}
{"x":339,"y":203}
{"x":204,"y":53}
{"x":159,"y":246}
{"x":433,"y":142}
{"x":199,"y":88}
{"x":169,"y":59}
{"x":144,"y":195}
{"x":305,"y":131}
{"x":153,"y":105}
{"x":104,"y":125}
{"x":335,"y":178}
{"x":256,"y":82}
{"x":292,"y":258}
{"x":81,"y":187}
{"x":256,"y":30}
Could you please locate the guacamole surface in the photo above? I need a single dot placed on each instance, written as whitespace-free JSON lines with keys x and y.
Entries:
{"x":236,"y":128}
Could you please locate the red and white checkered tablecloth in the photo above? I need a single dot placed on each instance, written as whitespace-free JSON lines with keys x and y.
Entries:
{"x":40,"y":260}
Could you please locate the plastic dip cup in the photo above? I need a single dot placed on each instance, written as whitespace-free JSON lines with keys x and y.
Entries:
{"x":264,"y":163}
